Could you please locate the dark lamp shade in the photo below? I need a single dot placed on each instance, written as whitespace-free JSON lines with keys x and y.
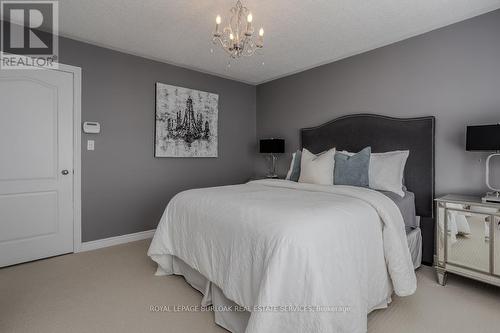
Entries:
{"x":483,"y":138}
{"x":272,"y":146}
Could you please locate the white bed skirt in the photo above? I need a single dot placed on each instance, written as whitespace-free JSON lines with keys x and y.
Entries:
{"x":236,"y":321}
{"x":233,"y":321}
{"x":414,"y":238}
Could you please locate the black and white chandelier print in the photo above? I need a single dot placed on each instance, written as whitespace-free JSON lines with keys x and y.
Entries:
{"x":186,"y":122}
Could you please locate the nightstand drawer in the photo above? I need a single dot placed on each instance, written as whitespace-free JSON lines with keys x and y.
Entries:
{"x":468,"y":241}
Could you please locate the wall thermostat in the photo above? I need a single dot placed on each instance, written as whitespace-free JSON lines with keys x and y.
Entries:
{"x":91,"y":127}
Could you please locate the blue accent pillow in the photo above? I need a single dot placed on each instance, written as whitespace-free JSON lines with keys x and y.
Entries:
{"x":352,"y":170}
{"x":295,"y":175}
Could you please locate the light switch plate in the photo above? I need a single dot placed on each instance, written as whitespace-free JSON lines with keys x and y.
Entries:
{"x":90,"y":144}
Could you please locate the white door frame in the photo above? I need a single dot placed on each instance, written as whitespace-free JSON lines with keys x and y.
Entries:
{"x":77,"y":163}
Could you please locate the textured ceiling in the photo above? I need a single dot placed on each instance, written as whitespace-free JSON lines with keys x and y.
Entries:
{"x":300,"y":34}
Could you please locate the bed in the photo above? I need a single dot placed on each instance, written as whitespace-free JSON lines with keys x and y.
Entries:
{"x":276,"y":256}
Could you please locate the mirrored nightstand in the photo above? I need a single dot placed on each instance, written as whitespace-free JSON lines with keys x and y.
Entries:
{"x":467,"y":239}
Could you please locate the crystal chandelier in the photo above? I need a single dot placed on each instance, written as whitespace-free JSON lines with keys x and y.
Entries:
{"x":237,"y":38}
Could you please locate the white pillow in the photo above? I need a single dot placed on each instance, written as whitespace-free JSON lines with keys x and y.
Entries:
{"x":290,"y":169}
{"x":386,"y":171}
{"x":317,"y":169}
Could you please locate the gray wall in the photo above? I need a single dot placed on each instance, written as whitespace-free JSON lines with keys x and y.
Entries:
{"x":124,"y":188}
{"x":452,"y":73}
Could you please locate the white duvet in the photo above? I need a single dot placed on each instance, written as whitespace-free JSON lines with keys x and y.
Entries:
{"x":273,"y":246}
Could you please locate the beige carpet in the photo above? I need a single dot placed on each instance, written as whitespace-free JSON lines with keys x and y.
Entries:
{"x":111,"y":290}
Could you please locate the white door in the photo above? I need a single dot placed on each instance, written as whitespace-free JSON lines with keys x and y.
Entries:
{"x":36,"y":164}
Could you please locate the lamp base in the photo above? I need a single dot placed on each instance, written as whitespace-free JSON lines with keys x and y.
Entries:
{"x":492,"y":197}
{"x":272,"y":168}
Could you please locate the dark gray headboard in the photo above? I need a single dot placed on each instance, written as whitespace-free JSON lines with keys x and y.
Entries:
{"x":355,"y":132}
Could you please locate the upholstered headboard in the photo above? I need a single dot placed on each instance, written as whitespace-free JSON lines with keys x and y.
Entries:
{"x":382,"y":134}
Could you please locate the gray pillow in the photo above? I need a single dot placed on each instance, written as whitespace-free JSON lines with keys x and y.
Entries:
{"x":295,"y":175}
{"x":352,"y":170}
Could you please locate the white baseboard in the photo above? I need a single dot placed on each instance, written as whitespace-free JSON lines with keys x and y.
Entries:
{"x":100,"y":243}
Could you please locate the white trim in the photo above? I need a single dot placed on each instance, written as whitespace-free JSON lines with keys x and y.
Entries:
{"x":111,"y":241}
{"x":77,"y":155}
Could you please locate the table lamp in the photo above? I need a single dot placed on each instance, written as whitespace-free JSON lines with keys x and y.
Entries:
{"x":272,"y":147}
{"x":486,"y":138}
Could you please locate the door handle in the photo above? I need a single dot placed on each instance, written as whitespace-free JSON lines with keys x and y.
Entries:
{"x":65,"y":172}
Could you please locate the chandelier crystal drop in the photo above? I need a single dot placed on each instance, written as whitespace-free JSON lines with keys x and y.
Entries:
{"x":237,"y":37}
